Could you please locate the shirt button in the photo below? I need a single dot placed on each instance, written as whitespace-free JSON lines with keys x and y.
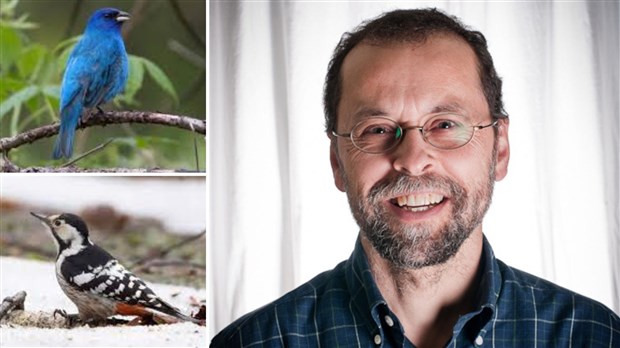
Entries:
{"x":389,"y":321}
{"x":479,"y":341}
{"x":377,"y":339}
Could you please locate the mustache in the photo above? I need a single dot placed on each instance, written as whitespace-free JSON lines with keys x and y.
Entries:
{"x":404,"y":184}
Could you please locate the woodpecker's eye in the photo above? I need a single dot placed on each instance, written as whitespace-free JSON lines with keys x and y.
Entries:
{"x":57,"y":223}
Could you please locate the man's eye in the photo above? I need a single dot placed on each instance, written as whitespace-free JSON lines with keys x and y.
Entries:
{"x":445,"y":124}
{"x":378,"y":130}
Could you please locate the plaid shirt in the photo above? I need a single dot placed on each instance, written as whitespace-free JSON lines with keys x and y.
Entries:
{"x":344,"y":308}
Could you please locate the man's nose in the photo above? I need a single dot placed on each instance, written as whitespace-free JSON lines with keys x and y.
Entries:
{"x":413,"y":156}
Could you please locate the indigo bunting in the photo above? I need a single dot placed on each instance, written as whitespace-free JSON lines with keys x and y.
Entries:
{"x":96,"y":71}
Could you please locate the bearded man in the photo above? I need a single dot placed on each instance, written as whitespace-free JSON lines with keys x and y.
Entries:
{"x":419,"y":135}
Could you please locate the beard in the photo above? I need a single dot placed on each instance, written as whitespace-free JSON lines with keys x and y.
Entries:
{"x":418,"y":245}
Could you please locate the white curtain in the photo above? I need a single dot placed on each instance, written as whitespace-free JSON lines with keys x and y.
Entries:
{"x":276,"y":219}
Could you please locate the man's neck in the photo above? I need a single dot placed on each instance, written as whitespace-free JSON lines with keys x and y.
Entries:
{"x":429,"y":301}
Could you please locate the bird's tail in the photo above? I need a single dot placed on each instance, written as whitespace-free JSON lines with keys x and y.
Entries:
{"x":172,"y":311}
{"x":166,"y":308}
{"x":69,"y":117}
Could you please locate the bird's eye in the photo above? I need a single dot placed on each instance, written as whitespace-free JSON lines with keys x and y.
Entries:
{"x":57,"y":223}
{"x":109,"y":15}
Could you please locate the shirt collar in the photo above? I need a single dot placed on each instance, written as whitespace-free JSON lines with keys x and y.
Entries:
{"x":489,"y":289}
{"x":491,"y":281}
{"x":368,"y":301}
{"x":365,"y":295}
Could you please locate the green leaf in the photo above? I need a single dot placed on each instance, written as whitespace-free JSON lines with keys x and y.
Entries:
{"x":63,"y":50}
{"x":134,"y":80}
{"x":51,"y":91}
{"x":51,"y":98}
{"x":17,"y":99}
{"x":33,"y":103}
{"x":7,"y":14}
{"x":31,"y":61}
{"x":10,"y":85}
{"x":67,"y":44}
{"x":10,"y":46}
{"x":160,"y":78}
{"x":8,"y":7}
{"x":14,"y":119}
{"x":20,"y":24}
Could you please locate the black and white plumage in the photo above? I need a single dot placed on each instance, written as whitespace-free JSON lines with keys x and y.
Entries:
{"x":94,"y":280}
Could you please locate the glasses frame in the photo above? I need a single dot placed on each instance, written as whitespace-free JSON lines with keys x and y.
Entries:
{"x":403,"y":132}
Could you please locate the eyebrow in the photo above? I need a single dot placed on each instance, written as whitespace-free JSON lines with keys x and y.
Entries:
{"x":369,"y":111}
{"x":450,"y":107}
{"x":366,"y":112}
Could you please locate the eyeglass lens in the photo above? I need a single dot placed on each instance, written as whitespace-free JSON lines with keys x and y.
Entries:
{"x":379,"y":134}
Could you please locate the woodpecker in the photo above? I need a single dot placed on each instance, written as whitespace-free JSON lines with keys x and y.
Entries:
{"x":94,"y":280}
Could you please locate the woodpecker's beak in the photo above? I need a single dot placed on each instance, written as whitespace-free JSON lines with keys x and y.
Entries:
{"x":122,"y":16}
{"x":43,"y":219}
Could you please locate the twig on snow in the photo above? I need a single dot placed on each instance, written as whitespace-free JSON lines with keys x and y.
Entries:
{"x":11,"y":303}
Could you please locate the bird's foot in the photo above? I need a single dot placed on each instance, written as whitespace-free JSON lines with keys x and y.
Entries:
{"x":71,"y":320}
{"x":83,"y":120}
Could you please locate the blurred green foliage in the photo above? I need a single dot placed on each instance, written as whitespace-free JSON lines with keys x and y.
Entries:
{"x":167,"y":74}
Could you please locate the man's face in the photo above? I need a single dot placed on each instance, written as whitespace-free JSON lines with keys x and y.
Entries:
{"x":416,"y":204}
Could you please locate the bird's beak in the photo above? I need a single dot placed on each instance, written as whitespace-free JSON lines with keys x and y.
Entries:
{"x":122,"y":16}
{"x":43,"y":219}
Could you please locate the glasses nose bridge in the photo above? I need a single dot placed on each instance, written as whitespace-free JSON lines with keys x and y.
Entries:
{"x":418,"y":128}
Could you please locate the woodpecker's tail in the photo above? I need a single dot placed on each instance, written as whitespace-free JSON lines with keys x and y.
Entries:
{"x":172,"y":311}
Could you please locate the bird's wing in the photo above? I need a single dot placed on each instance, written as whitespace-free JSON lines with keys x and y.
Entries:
{"x":118,"y":71}
{"x":111,"y":74}
{"x":94,"y":68}
{"x":106,"y":277}
{"x":74,"y":81}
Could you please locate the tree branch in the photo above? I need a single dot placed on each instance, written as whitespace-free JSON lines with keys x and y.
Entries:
{"x":11,"y":168}
{"x":95,"y":118}
{"x":88,"y":153}
{"x":73,"y":18}
{"x":179,"y":13}
{"x":165,"y":252}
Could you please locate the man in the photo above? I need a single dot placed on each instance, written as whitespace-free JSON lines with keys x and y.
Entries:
{"x":414,"y":111}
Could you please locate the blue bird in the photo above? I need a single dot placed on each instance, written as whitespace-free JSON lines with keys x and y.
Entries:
{"x":96,"y":71}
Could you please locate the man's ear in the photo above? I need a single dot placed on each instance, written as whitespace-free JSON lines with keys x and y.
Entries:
{"x":337,"y":169}
{"x":503,"y":149}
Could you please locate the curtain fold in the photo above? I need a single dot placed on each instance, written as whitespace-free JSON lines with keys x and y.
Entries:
{"x":605,"y":19}
{"x":276,"y":218}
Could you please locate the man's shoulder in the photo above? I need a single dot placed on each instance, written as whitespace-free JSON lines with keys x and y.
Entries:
{"x":524,"y":295}
{"x":295,"y":313}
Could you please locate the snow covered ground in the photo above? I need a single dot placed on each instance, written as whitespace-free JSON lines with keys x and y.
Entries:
{"x":43,"y":294}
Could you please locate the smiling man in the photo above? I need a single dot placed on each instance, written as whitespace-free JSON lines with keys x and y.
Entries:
{"x":419,"y":136}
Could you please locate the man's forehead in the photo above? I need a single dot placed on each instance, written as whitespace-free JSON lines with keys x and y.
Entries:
{"x":386,"y":69}
{"x":444,"y":68}
{"x":437,"y":44}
